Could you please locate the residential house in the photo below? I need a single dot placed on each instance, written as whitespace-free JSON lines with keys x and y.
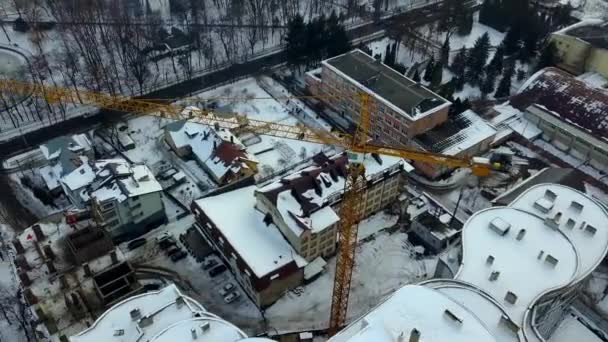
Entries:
{"x":126,"y":199}
{"x":215,"y":149}
{"x":400,"y":108}
{"x":64,"y":155}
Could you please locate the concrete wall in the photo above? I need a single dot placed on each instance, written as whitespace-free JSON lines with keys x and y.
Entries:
{"x":578,"y":56}
{"x":598,"y":62}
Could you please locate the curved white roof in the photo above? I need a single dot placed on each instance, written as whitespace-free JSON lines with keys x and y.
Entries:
{"x":161,"y":308}
{"x":437,"y":317}
{"x":497,"y":260}
{"x":209,"y":328}
{"x":582,"y":220}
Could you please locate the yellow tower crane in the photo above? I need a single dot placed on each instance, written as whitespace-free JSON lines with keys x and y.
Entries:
{"x":355,"y":145}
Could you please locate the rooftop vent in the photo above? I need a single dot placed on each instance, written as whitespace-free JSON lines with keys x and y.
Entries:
{"x":511,"y":297}
{"x":135,"y":314}
{"x":570,"y":223}
{"x":193,"y":333}
{"x":119,"y":332}
{"x":145,"y":322}
{"x":551,"y":260}
{"x":576,"y":206}
{"x":494,"y":275}
{"x":414,"y":335}
{"x":554,"y":221}
{"x":205,"y":327}
{"x":490,"y":260}
{"x":449,"y":314}
{"x":550,"y":195}
{"x":540,"y":254}
{"x":500,"y":226}
{"x":521,"y":234}
{"x":543,"y":204}
{"x":364,"y":324}
{"x":591,"y":230}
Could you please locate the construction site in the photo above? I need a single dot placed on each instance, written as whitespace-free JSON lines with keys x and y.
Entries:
{"x":329,"y":197}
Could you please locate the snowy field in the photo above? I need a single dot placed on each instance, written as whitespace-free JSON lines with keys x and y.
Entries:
{"x":382,"y":266}
{"x":572,"y":329}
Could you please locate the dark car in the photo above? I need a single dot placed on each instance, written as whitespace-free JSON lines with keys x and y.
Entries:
{"x":173,"y":251}
{"x":136,"y":243}
{"x":166,"y":243}
{"x":178,"y":256}
{"x":209,"y":263}
{"x":217,"y":271}
{"x":152,"y":287}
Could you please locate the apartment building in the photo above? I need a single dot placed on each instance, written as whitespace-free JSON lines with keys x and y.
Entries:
{"x":215,"y":149}
{"x":262,"y":261}
{"x":305,"y":205}
{"x":126,"y":200}
{"x":401,"y":107}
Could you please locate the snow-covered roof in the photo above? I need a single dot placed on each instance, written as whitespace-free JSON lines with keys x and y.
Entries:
{"x":458,"y":134}
{"x":216,"y":147}
{"x":434,"y":315}
{"x":582,"y":220}
{"x":261,"y":246}
{"x":302,"y":198}
{"x":141,"y":317}
{"x":563,"y":96}
{"x":405,"y":96}
{"x":502,"y":246}
{"x":118,"y":180}
{"x":208,"y":327}
{"x":76,"y":144}
{"x":593,"y":31}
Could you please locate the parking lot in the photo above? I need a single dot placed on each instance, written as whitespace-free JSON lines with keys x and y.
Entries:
{"x":193,"y":279}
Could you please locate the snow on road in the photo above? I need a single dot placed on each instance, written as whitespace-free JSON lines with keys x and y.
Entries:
{"x":382,"y":266}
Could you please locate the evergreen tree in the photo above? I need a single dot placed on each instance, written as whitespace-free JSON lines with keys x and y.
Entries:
{"x":504,"y":87}
{"x":437,"y":75}
{"x":296,"y":41}
{"x":459,"y":63}
{"x":416,"y":76}
{"x":496,"y":62}
{"x":548,"y":57}
{"x":452,"y":15}
{"x":447,"y":90}
{"x":458,"y":83}
{"x":477,"y":58}
{"x":428,"y":71}
{"x":337,"y":40}
{"x":511,"y":43}
{"x":387,"y":54}
{"x":521,"y":74}
{"x":487,"y":86}
{"x":445,"y":51}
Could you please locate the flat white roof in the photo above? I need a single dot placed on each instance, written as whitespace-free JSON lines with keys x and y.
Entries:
{"x":164,"y":307}
{"x":261,"y":246}
{"x":582,"y":220}
{"x":522,"y":267}
{"x":436,"y":316}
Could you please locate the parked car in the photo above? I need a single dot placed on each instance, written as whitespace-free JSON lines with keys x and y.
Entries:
{"x":178,"y":256}
{"x":167,"y":243}
{"x":226,"y":289}
{"x":209,"y":263}
{"x":231,"y":297}
{"x":217,"y":270}
{"x":136,"y":243}
{"x":152,"y":287}
{"x":173,"y":250}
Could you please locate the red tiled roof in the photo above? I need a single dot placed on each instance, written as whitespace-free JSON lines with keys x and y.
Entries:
{"x":570,"y":99}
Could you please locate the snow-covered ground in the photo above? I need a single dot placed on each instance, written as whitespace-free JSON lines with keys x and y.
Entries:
{"x":376,"y":223}
{"x":382,"y":266}
{"x":571,"y":329}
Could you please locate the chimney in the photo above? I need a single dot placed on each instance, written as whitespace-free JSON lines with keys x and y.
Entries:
{"x":18,"y":246}
{"x":214,"y":145}
{"x":51,"y":266}
{"x":193,"y":333}
{"x":135,"y":314}
{"x":232,"y":139}
{"x":216,"y":126}
{"x":38,"y":232}
{"x":48,"y":252}
{"x":414,"y":335}
{"x":114,"y":257}
{"x":25,"y":279}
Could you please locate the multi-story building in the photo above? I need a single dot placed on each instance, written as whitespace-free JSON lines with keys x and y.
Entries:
{"x":305,"y":205}
{"x":166,"y":315}
{"x":583,"y":47}
{"x":522,"y":266}
{"x":269,"y":235}
{"x":572,"y":115}
{"x":262,"y":261}
{"x":126,"y":200}
{"x":215,"y":149}
{"x":401,"y":108}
